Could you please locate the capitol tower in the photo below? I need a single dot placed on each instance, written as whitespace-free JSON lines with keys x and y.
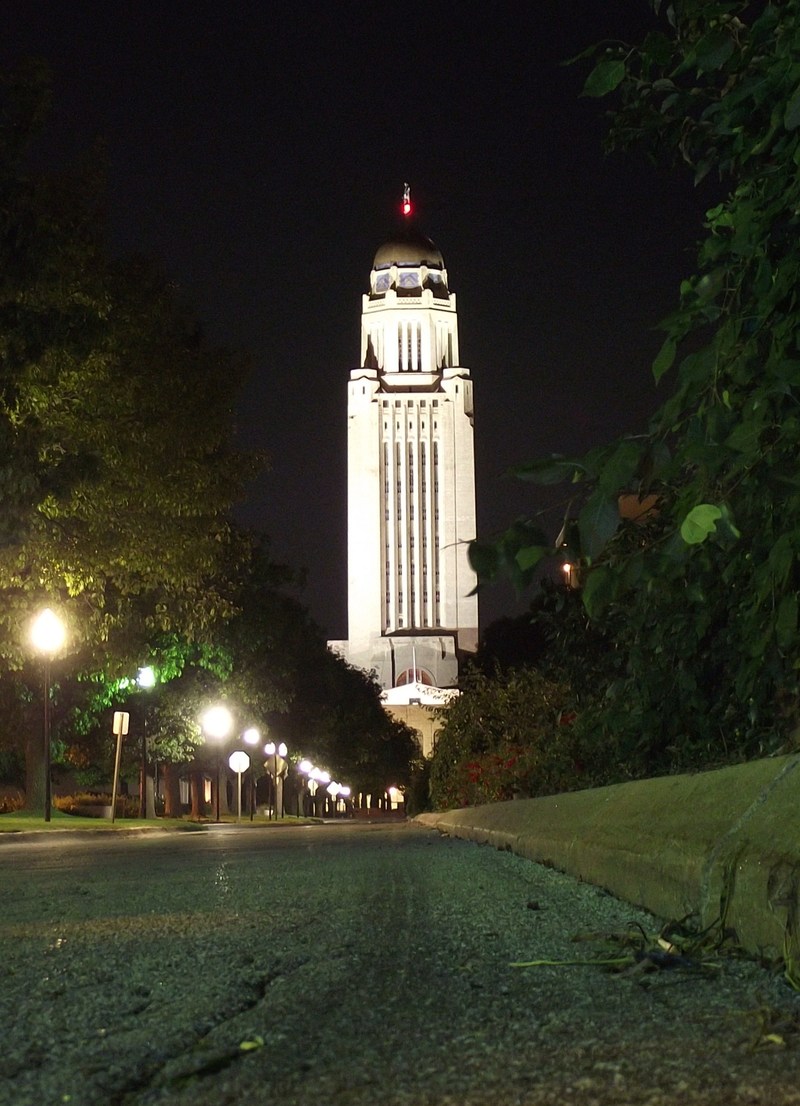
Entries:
{"x":412,"y":614}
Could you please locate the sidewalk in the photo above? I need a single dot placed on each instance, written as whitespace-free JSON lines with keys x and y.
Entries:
{"x":675,"y":845}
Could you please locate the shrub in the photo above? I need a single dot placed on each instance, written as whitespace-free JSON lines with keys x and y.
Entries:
{"x":91,"y":804}
{"x":505,"y":736}
{"x":11,"y":799}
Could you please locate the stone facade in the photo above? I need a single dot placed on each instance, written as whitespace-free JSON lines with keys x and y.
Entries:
{"x":411,"y":476}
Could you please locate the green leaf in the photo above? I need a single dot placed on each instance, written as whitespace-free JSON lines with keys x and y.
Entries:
{"x":620,"y":467}
{"x":699,"y":523}
{"x":786,"y":621}
{"x":254,"y":1043}
{"x":714,"y":50}
{"x":598,"y":590}
{"x":530,"y":556}
{"x":781,"y":558}
{"x":597,"y":524}
{"x":665,"y":358}
{"x":791,"y":116}
{"x":484,"y":559}
{"x":727,"y":526}
{"x":744,"y":437}
{"x":605,"y":77}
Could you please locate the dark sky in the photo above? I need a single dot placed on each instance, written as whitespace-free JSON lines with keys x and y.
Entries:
{"x":259,"y":150}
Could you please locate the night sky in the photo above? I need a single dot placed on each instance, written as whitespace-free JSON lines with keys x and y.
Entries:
{"x":259,"y":151}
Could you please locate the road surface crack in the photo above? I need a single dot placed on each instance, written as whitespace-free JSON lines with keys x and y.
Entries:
{"x":201,"y":1057}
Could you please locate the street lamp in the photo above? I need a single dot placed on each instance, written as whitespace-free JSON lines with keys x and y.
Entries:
{"x":47,"y":636}
{"x":145,"y":681}
{"x":252,"y":736}
{"x":278,"y":754}
{"x":317,"y":779}
{"x":217,"y":723}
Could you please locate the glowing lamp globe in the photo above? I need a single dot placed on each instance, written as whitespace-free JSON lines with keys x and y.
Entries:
{"x":217,"y":722}
{"x":47,"y":632}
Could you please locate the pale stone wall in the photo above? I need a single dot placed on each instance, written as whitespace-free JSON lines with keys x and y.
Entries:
{"x":411,"y":478}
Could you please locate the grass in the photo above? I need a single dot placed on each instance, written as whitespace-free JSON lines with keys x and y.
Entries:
{"x":22,"y":821}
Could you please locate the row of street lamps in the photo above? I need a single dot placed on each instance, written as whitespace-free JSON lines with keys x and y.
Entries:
{"x":217,"y":723}
{"x":48,"y":635}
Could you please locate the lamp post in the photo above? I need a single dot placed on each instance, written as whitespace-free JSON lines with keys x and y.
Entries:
{"x":317,"y":778}
{"x":278,"y":755}
{"x":252,"y":736}
{"x":145,"y":680}
{"x":304,"y":767}
{"x":217,"y":723}
{"x":48,"y":636}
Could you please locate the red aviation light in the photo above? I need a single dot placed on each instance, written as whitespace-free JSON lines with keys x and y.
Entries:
{"x":406,"y":206}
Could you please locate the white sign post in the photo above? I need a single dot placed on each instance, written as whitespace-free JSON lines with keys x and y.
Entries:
{"x":120,"y":728}
{"x":239,"y":762}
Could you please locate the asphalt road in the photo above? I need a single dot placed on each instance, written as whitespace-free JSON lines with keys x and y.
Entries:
{"x":352,"y":965}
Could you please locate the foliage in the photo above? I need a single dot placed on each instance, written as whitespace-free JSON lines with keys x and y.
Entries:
{"x":270,"y":662}
{"x":635,"y":953}
{"x":11,"y":800}
{"x":337,"y":719}
{"x":698,"y":596}
{"x":116,"y":462}
{"x":117,"y":465}
{"x":92,"y":804}
{"x":502,"y":737}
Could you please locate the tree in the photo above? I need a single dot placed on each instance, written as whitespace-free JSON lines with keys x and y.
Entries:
{"x":699,"y":595}
{"x":117,"y":468}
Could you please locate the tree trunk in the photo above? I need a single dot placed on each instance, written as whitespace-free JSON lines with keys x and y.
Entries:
{"x":34,"y":767}
{"x":149,"y":797}
{"x":224,"y":805}
{"x":172,"y":790}
{"x":197,"y":784}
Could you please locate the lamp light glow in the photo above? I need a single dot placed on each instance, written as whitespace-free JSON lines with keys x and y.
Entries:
{"x":146,"y":677}
{"x":47,"y":632}
{"x":47,"y":636}
{"x":217,"y":722}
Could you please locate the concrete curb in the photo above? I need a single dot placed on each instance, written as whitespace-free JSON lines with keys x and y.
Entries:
{"x":675,"y":845}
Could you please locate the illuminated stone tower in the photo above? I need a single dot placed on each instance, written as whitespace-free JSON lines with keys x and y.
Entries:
{"x":411,"y":474}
